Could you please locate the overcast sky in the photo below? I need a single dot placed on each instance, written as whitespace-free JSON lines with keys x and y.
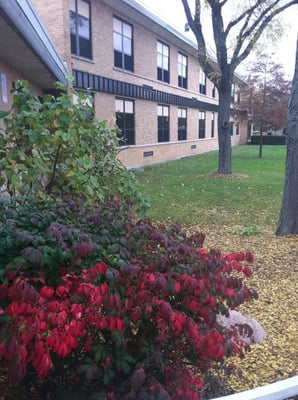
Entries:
{"x":285,"y":50}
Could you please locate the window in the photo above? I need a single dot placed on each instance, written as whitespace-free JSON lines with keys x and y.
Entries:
{"x":125,"y":121}
{"x":237,"y":128}
{"x":182,"y":71}
{"x":86,"y":100}
{"x":214,"y":91}
{"x":122,"y":44}
{"x":232,"y":93}
{"x":212,"y":124}
{"x":163,"y":62}
{"x":163,"y":126}
{"x":80,"y":28}
{"x":202,"y":82}
{"x":182,"y":123}
{"x":202,"y":124}
{"x":238,"y":96}
{"x":231,"y":128}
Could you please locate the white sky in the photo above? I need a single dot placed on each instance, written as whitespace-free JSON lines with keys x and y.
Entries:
{"x":172,"y":12}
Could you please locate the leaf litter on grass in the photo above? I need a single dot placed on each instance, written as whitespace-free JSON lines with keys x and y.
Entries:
{"x":275,"y":277}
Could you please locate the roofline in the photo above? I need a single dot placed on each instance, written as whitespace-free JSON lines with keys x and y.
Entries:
{"x":139,"y":7}
{"x":24,"y":18}
{"x":147,"y":13}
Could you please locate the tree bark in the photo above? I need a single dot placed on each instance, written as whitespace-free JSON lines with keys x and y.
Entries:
{"x":224,"y":137}
{"x":288,"y":218}
{"x":261,"y":144}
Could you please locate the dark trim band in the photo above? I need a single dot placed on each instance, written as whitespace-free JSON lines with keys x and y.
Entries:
{"x":85,"y":80}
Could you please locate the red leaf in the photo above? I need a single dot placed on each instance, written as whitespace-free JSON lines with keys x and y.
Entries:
{"x":177,"y":287}
{"x":46,"y":292}
{"x":247,"y":271}
{"x":193,"y":306}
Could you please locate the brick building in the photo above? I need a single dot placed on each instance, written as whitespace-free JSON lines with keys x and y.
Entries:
{"x":143,"y":74}
{"x":26,"y":51}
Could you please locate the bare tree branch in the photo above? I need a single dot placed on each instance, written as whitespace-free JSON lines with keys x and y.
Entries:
{"x":236,"y":58}
{"x":196,"y":26}
{"x":245,"y":14}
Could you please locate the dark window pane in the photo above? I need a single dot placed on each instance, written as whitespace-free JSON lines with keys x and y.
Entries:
{"x":127,"y":62}
{"x":119,"y":120}
{"x":129,"y":119}
{"x":117,"y":59}
{"x":182,"y":82}
{"x":231,"y":128}
{"x":163,"y":129}
{"x":181,"y":128}
{"x":166,"y":76}
{"x":129,"y":136}
{"x":159,"y":74}
{"x":202,"y":89}
{"x":181,"y":134}
{"x":85,"y":48}
{"x":73,"y":44}
{"x":201,"y":128}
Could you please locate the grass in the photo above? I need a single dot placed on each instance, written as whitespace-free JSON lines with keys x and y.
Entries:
{"x":185,"y":191}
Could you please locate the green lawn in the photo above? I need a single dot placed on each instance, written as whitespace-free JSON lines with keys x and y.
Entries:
{"x":184,"y":191}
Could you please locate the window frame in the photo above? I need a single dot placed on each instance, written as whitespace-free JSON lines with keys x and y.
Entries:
{"x":237,"y":128}
{"x":202,"y":82}
{"x":77,"y":40}
{"x":126,"y":60}
{"x":163,"y":74}
{"x":214,"y":91}
{"x":233,"y":88}
{"x":163,"y":123}
{"x":182,"y":123}
{"x":128,"y":136}
{"x":231,"y":127}
{"x":202,"y":125}
{"x":182,"y":67}
{"x":212,"y":124}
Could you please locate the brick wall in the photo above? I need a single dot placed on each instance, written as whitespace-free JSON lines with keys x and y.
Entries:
{"x":9,"y":76}
{"x":55,"y":16}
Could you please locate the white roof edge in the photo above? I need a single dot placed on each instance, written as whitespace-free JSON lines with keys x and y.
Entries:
{"x":24,"y":17}
{"x":139,"y":7}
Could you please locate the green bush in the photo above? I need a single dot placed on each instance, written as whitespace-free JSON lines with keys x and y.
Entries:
{"x":43,"y":237}
{"x":268,"y":140}
{"x":52,"y":146}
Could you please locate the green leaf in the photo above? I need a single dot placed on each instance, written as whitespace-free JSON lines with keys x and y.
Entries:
{"x":4,"y":114}
{"x":125,"y":367}
{"x":129,"y":358}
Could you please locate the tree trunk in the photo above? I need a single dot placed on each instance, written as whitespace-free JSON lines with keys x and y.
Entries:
{"x":261,"y":144}
{"x":224,"y":137}
{"x":288,"y":218}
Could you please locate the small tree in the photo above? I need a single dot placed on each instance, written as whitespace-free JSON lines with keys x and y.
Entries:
{"x":56,"y":147}
{"x":266,"y":97}
{"x":288,"y":218}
